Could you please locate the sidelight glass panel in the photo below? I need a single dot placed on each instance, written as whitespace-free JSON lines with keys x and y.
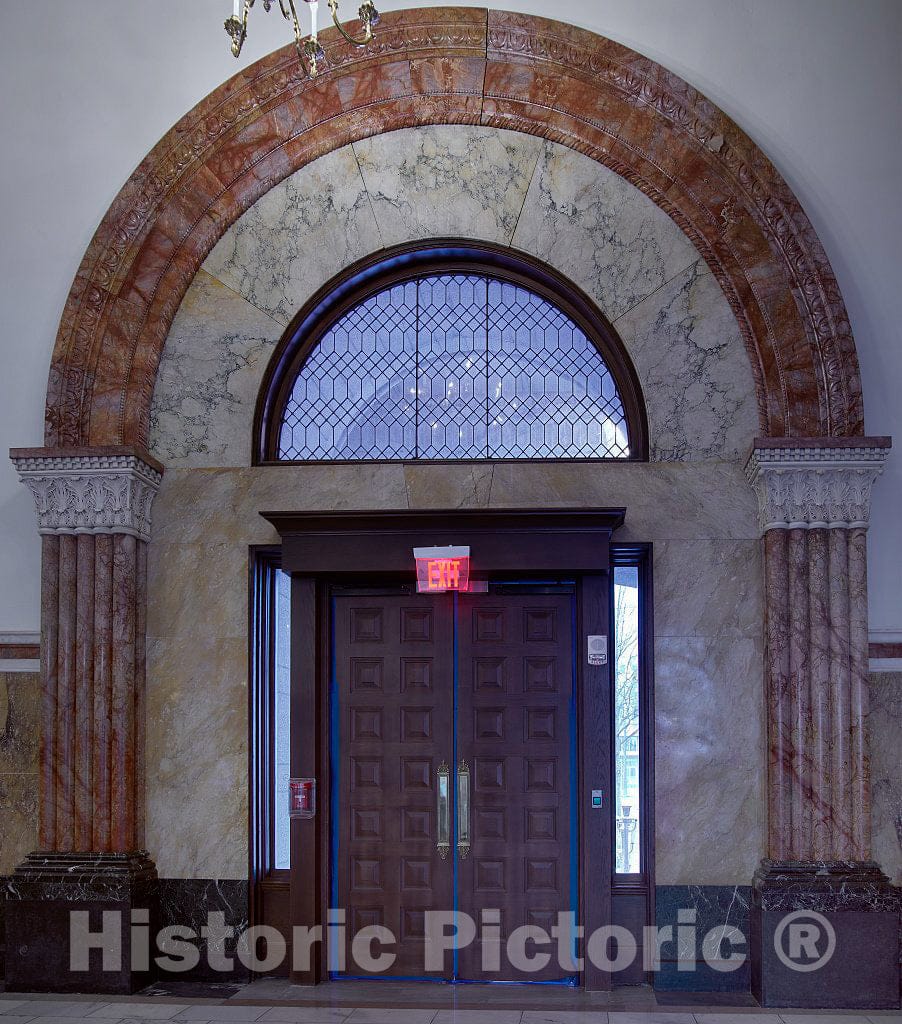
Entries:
{"x":627,"y":739}
{"x":281,"y":720}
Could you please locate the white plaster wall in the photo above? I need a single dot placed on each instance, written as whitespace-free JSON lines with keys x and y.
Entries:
{"x":89,"y":88}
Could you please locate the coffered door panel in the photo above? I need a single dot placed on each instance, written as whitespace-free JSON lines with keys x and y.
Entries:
{"x":394,"y":696}
{"x":514,"y":731}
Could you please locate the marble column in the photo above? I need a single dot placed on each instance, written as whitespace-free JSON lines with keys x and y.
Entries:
{"x":93,"y":509}
{"x":814,"y":501}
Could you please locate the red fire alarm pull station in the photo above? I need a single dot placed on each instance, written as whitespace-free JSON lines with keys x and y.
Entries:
{"x":301,"y":798}
{"x":441,"y":569}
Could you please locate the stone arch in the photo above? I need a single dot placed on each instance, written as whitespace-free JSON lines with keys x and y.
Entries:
{"x":439,"y":66}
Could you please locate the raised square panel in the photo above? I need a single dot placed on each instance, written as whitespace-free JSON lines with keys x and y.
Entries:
{"x":366,"y":673}
{"x":416,"y":674}
{"x":541,"y":824}
{"x":540,"y":774}
{"x":539,"y":675}
{"x":538,"y":624}
{"x":415,"y":874}
{"x":489,"y":875}
{"x":416,"y":724}
{"x":488,"y":624}
{"x":366,"y":625}
{"x":366,"y":772}
{"x":490,"y":824}
{"x":416,"y":824}
{"x":541,"y":874}
{"x":488,"y":674}
{"x":488,"y":724}
{"x":490,"y":773}
{"x":540,"y":723}
{"x":413,"y":923}
{"x":416,"y":773}
{"x":544,"y":919}
{"x":366,"y":724}
{"x":366,"y":873}
{"x":363,"y":917}
{"x":416,"y":625}
{"x":366,"y":823}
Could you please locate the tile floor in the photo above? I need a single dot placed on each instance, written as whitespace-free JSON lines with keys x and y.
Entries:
{"x":18,"y":1008}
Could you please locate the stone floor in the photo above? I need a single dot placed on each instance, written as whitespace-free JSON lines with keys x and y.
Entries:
{"x":446,"y":1008}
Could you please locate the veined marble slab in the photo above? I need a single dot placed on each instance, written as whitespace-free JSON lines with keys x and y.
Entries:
{"x":461,"y":181}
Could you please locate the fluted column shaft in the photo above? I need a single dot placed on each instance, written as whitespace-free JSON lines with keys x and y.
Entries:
{"x":814,"y":499}
{"x":93,"y":514}
{"x":818,"y":793}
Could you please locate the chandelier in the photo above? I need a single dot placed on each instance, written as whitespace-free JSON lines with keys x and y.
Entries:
{"x":309,"y":50}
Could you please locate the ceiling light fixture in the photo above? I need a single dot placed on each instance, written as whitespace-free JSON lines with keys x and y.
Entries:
{"x":309,"y":50}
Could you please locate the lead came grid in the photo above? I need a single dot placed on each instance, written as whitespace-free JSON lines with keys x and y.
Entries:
{"x":454,"y":366}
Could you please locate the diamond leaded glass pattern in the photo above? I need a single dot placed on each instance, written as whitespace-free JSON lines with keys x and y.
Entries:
{"x":454,"y":366}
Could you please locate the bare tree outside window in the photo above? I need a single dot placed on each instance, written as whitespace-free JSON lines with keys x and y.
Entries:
{"x":627,"y":741}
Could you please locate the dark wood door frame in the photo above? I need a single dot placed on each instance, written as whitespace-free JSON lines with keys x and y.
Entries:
{"x":320,"y":548}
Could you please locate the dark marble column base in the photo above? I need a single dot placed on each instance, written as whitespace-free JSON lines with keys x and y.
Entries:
{"x":41,"y":897}
{"x":796,"y":906}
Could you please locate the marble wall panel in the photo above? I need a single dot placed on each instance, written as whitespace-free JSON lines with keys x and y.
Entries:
{"x":709,"y":759}
{"x":461,"y":181}
{"x":209,"y":377}
{"x":20,"y":731}
{"x":885,"y":730}
{"x":298,"y":235}
{"x":708,"y":656}
{"x":197,"y":792}
{"x":709,"y":587}
{"x":664,"y":501}
{"x":599,"y":230}
{"x":691,"y":360}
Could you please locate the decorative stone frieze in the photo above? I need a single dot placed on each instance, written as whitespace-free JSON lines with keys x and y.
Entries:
{"x":809,"y":486}
{"x":90,"y":493}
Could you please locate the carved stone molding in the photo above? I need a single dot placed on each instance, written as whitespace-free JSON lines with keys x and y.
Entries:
{"x":90,"y":493}
{"x":442,"y":66}
{"x":810,"y":485}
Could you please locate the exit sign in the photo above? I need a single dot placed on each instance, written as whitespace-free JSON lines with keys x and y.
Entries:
{"x":441,"y":569}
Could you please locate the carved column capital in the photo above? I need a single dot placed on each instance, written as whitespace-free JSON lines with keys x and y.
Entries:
{"x":90,"y":491}
{"x":811,"y":483}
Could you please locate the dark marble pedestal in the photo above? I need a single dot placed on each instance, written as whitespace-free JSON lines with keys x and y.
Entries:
{"x":116,"y":890}
{"x":795,"y":908}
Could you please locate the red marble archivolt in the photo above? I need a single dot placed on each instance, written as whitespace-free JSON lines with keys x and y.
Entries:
{"x":446,"y":65}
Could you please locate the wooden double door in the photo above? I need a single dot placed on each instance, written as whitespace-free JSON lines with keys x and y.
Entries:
{"x":453,"y":766}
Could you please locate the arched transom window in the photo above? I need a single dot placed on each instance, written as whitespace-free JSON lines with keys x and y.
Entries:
{"x":453,"y":356}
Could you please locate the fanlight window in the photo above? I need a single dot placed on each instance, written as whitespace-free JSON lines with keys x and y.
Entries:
{"x":453,"y":365}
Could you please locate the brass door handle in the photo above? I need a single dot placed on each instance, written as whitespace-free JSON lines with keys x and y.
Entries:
{"x":463,"y":809}
{"x":443,"y":810}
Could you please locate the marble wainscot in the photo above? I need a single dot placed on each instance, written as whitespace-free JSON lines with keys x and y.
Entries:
{"x":814,"y":503}
{"x":702,"y":919}
{"x":188,"y":903}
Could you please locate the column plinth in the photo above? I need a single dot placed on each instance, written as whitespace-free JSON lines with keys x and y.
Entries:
{"x":814,"y":504}
{"x":93,"y":509}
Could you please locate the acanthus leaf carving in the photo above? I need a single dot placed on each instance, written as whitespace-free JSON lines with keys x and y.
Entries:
{"x":90,"y":494}
{"x":815,"y":487}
